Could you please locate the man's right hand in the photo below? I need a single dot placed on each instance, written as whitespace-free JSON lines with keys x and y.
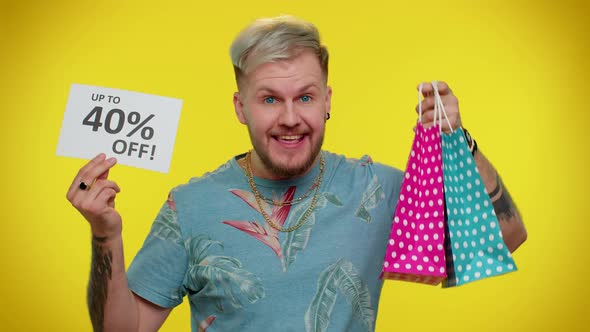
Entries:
{"x":97,"y":202}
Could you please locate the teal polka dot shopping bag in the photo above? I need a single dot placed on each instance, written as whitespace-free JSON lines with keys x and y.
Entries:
{"x":474,"y":245}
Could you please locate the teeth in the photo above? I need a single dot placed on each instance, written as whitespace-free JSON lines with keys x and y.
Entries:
{"x":290,"y":138}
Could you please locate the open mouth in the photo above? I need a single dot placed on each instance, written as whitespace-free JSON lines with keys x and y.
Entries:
{"x":290,"y":140}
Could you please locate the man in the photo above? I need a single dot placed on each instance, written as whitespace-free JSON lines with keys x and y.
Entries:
{"x":286,"y":237}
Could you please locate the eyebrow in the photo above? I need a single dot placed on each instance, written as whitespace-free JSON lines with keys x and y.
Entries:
{"x":274,"y":92}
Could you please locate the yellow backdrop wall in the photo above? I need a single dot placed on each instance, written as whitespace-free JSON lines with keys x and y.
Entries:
{"x":519,"y":69}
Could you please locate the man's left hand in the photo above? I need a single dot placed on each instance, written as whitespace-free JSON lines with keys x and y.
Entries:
{"x":450,"y":102}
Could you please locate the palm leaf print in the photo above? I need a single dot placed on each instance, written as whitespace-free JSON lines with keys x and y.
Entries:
{"x":340,"y":276}
{"x":198,"y":246}
{"x":165,"y":226}
{"x":371,"y":197}
{"x":332,"y":198}
{"x":221,"y":275}
{"x":297,"y":240}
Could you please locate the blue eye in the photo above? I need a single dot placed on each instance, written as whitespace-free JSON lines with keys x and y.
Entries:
{"x":305,"y":99}
{"x":269,"y":100}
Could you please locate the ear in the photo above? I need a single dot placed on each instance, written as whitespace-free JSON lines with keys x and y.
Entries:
{"x":239,"y":108}
{"x":328,"y":100}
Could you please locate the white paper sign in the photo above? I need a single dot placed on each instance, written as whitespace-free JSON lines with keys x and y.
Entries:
{"x":137,"y":128}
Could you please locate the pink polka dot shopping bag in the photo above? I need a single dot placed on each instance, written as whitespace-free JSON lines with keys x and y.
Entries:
{"x":415,"y":250}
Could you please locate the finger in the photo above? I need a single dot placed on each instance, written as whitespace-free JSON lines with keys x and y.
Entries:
{"x":100,"y":185}
{"x":94,"y":207}
{"x":443,"y":88}
{"x":76,"y":182}
{"x":454,"y":120}
{"x":107,"y":197}
{"x":427,"y":105}
{"x":81,"y":199}
{"x":88,"y":178}
{"x":428,"y":90}
{"x":428,"y":117}
{"x":445,"y":128}
{"x":93,"y":173}
{"x":92,"y":163}
{"x":427,"y":125}
{"x":449,"y":100}
{"x":104,"y":175}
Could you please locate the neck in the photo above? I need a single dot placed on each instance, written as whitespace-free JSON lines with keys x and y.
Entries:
{"x":260,"y":170}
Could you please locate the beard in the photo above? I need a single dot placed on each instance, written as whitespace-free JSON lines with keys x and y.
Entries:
{"x":286,"y":171}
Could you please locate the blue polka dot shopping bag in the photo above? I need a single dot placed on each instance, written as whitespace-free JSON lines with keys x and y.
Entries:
{"x":475,"y":248}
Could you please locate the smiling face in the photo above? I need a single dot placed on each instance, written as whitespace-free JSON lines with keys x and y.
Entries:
{"x":284,"y":104}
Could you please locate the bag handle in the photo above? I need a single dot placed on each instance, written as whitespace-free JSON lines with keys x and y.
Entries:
{"x":439,"y":107}
{"x":420,"y":102}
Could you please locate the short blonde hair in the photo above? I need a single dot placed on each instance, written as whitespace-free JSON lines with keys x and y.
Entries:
{"x":273,"y":39}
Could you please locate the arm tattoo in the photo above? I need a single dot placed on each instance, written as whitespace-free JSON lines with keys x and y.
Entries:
{"x":503,"y":205}
{"x":100,"y":274}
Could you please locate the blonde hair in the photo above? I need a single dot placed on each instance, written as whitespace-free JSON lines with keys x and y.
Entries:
{"x":273,"y":39}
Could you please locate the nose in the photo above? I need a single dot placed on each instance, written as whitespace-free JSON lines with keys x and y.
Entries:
{"x":289,"y":115}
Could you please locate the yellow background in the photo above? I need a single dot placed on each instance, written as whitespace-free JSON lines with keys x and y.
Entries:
{"x":519,"y":68}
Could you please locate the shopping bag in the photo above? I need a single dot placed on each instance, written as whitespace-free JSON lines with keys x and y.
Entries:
{"x":474,"y":244}
{"x":415,"y":250}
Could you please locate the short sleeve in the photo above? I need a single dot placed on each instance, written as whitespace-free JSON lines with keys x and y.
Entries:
{"x":391,"y":180}
{"x":157,"y":271}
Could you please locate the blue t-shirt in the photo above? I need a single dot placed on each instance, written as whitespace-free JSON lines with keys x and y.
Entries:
{"x":210,"y":243}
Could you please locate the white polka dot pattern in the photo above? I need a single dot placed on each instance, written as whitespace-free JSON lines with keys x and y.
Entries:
{"x":475,"y":240}
{"x":415,"y":250}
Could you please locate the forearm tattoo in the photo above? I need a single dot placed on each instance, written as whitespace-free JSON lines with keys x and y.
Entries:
{"x":503,"y":204}
{"x":100,"y":275}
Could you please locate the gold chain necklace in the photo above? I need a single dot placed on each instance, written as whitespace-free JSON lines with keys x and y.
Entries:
{"x":258,"y":198}
{"x":276,"y":202}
